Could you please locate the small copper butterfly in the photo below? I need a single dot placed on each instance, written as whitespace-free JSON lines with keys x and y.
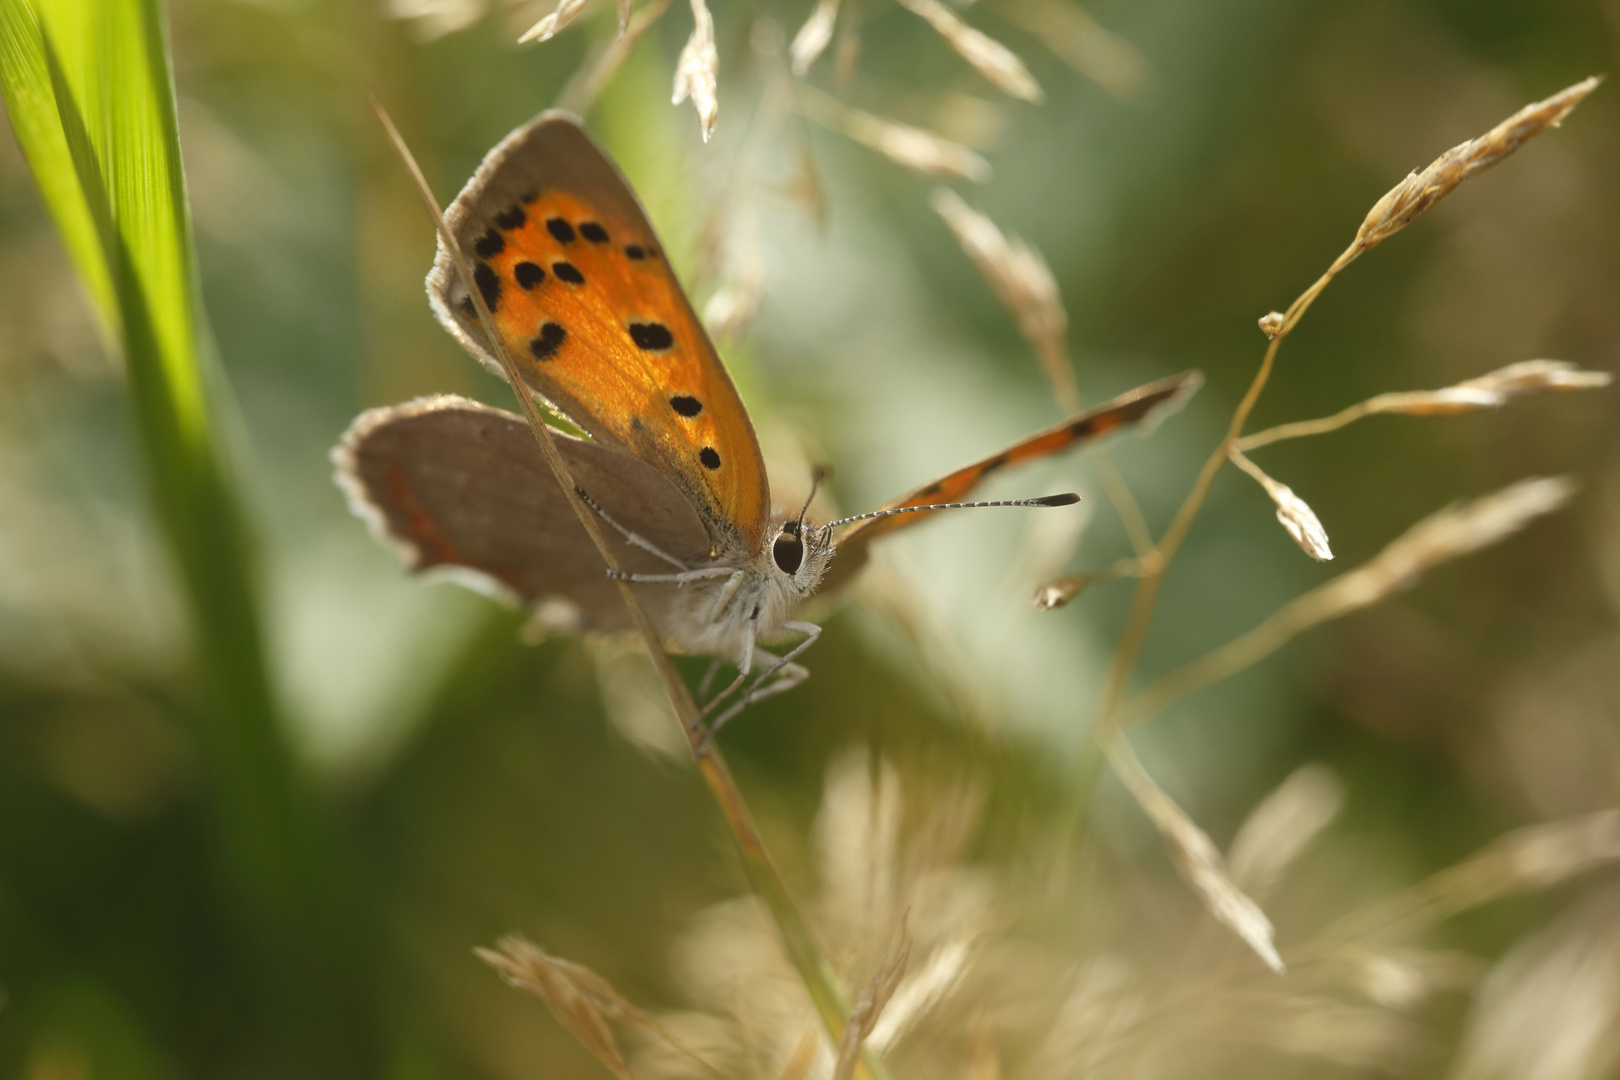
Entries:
{"x":585,"y":301}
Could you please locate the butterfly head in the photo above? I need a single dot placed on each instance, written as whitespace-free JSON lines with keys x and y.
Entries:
{"x":799,"y":552}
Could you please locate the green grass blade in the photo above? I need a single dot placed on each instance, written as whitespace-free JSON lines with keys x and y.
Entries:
{"x":31,"y":102}
{"x":90,"y":94}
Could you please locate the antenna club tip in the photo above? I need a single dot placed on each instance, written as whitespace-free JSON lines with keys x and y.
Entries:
{"x":1068,"y":498}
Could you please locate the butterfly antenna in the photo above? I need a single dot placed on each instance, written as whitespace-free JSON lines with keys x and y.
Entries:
{"x":817,"y":475}
{"x":1068,"y":498}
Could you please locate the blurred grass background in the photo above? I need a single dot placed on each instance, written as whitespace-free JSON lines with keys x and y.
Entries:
{"x":460,"y":784}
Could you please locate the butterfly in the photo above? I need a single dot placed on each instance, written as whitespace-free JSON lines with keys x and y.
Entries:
{"x":584,"y":301}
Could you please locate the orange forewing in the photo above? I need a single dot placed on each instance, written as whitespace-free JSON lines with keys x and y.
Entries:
{"x":1145,"y":403}
{"x":588,"y":308}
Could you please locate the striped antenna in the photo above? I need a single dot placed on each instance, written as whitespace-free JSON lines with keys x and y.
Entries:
{"x":1068,"y":498}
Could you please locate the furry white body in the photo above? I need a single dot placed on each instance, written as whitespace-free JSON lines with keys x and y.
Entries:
{"x":726,"y":608}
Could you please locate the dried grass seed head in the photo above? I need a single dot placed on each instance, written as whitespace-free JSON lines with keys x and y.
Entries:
{"x":1077,"y":39}
{"x":998,"y":64}
{"x":868,"y":1008}
{"x":1196,"y":857}
{"x":911,"y":147}
{"x":581,"y":1000}
{"x":697,"y":72}
{"x":548,"y":27}
{"x":1441,"y":537}
{"x":1491,"y":390}
{"x":1284,"y":823}
{"x":1054,"y":594}
{"x":1421,"y":190}
{"x":813,"y":37}
{"x":1537,"y":377}
{"x":1293,"y":513}
{"x":1301,"y":522}
{"x":1017,"y":273}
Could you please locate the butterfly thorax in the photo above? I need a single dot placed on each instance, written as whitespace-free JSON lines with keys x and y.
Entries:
{"x":716,"y":615}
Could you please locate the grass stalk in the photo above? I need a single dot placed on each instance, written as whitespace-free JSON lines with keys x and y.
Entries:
{"x":89,"y":89}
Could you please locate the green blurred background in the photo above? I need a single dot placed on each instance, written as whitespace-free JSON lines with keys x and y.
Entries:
{"x":465,"y":784}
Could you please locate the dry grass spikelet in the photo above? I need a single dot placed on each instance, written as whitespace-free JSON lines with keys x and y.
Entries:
{"x":914,"y":148}
{"x":1421,"y":190}
{"x":869,"y":1007}
{"x":1020,"y":278}
{"x":433,"y":19}
{"x":1551,"y":1009}
{"x":1537,"y":377}
{"x":1277,"y":830}
{"x":697,"y":72}
{"x":733,"y":305}
{"x":1489,"y":391}
{"x":1197,"y":857}
{"x":998,"y":64}
{"x":548,"y":27}
{"x":874,"y":875}
{"x":813,"y":37}
{"x":1454,"y":531}
{"x":581,"y":1000}
{"x":1071,"y":32}
{"x":1293,"y":513}
{"x":1535,"y":857}
{"x":1054,"y":594}
{"x":1446,"y":535}
{"x":932,"y":982}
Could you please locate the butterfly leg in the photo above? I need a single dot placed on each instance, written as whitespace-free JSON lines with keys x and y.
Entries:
{"x":681,"y":578}
{"x":745,"y":664}
{"x":783,"y":674}
{"x":708,"y":677}
{"x":634,"y":539}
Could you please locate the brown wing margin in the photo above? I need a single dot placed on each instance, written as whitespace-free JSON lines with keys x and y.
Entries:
{"x":456,"y":486}
{"x":1141,"y":408}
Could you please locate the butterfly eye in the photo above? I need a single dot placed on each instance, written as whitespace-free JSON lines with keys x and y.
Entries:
{"x":788,"y":552}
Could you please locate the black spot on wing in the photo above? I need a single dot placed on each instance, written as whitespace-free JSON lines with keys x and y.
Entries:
{"x":560,"y":229}
{"x":528,"y":274}
{"x":593,"y":232}
{"x":550,"y":340}
{"x":931,"y":489}
{"x":511,"y":219}
{"x":491,"y":244}
{"x":686,"y":404}
{"x":488,"y":284}
{"x":567,"y":271}
{"x":992,"y":465}
{"x":635,"y":251}
{"x":651,"y":336}
{"x":709,"y":457}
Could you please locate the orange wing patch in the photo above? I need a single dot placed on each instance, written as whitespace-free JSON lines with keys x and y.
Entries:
{"x":1144,"y":404}
{"x":596,"y":322}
